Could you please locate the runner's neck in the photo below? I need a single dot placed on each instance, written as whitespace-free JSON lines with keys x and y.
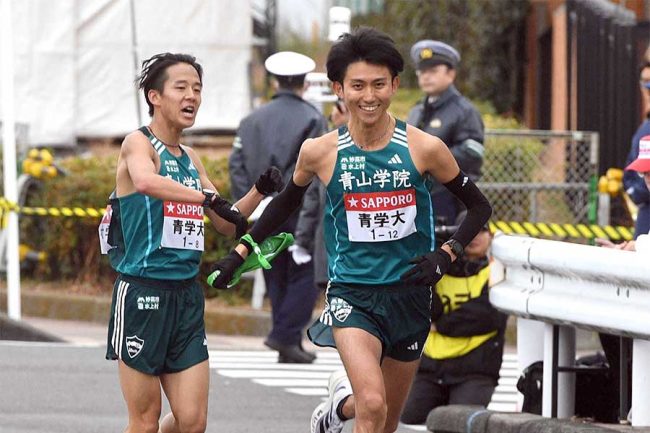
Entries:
{"x":372,"y":137}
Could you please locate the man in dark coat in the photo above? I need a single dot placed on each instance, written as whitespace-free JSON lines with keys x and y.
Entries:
{"x":271,"y":136}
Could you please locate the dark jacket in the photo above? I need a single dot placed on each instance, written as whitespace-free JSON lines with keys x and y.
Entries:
{"x":474,"y":317}
{"x":271,"y":136}
{"x":453,"y":119}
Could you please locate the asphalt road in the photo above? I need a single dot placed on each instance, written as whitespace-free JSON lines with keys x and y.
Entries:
{"x":53,"y":387}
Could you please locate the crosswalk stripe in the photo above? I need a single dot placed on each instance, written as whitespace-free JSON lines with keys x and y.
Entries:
{"x":248,"y":354}
{"x":262,"y":368}
{"x":319,"y":383}
{"x":316,"y":392}
{"x":249,"y":374}
{"x":501,"y":407}
{"x":276,"y":366}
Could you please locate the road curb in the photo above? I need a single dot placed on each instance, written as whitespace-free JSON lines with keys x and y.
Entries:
{"x":20,"y":331}
{"x":64,"y":306}
{"x":476,"y":419}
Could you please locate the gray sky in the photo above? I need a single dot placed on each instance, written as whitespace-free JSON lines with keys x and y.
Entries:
{"x":299,"y":15}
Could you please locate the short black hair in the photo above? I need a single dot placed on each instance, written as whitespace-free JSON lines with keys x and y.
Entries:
{"x":154,"y":72}
{"x":363,"y":44}
{"x":290,"y":82}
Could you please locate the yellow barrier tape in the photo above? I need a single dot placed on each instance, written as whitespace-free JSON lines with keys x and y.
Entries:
{"x":575,"y":231}
{"x":546,"y":231}
{"x":557,"y":229}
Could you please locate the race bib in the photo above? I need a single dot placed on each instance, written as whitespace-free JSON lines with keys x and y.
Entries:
{"x":104,"y":225}
{"x":182,"y":226}
{"x":380,"y":216}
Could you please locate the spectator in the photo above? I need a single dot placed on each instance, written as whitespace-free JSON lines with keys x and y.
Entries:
{"x":634,"y":185}
{"x":462,"y":355}
{"x":272,"y":135}
{"x":445,"y":113}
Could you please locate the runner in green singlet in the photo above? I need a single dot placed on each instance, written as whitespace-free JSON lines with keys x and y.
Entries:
{"x":154,"y":234}
{"x":379,"y":236}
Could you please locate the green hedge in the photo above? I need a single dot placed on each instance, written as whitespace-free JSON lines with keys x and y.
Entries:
{"x":72,"y":244}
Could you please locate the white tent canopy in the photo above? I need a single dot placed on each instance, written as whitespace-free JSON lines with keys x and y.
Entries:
{"x":75,"y":62}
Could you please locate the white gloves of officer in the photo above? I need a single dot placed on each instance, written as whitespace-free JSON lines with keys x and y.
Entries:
{"x":299,"y":254}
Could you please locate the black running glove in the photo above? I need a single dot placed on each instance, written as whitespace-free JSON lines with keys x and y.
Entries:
{"x":428,"y":269}
{"x":270,"y":181}
{"x":224,"y":269}
{"x":229,"y":212}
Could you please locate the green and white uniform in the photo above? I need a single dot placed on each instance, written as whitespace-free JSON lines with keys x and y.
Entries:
{"x":378,"y":216}
{"x":159,"y":239}
{"x":378,"y":212}
{"x":156,"y":321}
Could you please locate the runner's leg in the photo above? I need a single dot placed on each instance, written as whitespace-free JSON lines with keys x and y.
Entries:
{"x":143,"y":401}
{"x":398,"y":377}
{"x":360,"y":352}
{"x":187,"y":392}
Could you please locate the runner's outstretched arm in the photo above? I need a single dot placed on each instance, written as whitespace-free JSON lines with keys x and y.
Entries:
{"x":277,"y":211}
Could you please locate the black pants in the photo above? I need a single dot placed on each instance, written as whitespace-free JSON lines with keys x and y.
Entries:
{"x":293,"y":294}
{"x":427,"y":394}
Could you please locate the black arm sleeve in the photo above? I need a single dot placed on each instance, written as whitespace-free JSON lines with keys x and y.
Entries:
{"x":278,"y":210}
{"x":478,"y":207}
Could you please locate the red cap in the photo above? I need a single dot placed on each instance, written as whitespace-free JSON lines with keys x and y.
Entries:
{"x":642,"y":163}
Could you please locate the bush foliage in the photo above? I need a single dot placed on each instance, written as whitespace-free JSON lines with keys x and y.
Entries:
{"x":72,"y":244}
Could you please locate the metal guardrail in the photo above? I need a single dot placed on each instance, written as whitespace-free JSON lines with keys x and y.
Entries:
{"x":573,"y":285}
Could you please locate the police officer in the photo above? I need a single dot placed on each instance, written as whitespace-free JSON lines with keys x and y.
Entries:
{"x":445,"y":113}
{"x":272,"y":135}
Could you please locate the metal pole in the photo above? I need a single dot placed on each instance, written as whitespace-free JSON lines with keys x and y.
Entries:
{"x":259,"y":289}
{"x":640,"y":383}
{"x":136,"y":62}
{"x":559,"y":343}
{"x":624,"y":387}
{"x":530,"y":344}
{"x":9,"y":157}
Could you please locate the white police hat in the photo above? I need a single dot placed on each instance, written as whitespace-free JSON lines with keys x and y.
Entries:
{"x":428,"y":53}
{"x":288,"y":63}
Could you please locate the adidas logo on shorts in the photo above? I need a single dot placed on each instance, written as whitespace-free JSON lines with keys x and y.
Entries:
{"x":413,"y":346}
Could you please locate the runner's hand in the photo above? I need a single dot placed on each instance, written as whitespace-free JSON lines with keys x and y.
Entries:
{"x":428,"y":269}
{"x":230,"y":213}
{"x":270,"y":181}
{"x":225,"y":268}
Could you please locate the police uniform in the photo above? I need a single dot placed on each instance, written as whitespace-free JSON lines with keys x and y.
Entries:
{"x":156,"y":324}
{"x":450,"y":117}
{"x":378,"y":217}
{"x":272,"y":136}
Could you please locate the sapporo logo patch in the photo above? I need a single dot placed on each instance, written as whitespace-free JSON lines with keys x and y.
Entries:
{"x":340,"y":309}
{"x":134,"y":345}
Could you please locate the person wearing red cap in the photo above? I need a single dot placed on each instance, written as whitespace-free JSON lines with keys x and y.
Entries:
{"x":634,"y":186}
{"x":641,"y":165}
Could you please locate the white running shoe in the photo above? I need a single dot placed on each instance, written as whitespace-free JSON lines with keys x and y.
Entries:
{"x":324,"y":418}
